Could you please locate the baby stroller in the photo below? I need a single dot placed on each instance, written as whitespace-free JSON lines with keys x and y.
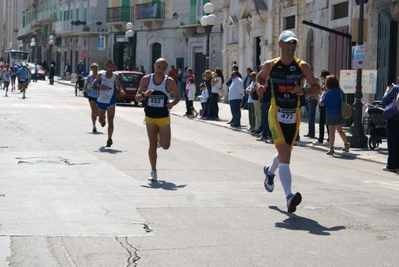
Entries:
{"x":79,"y":86}
{"x":377,"y":124}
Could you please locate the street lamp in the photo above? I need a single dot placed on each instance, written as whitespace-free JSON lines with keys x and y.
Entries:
{"x":129,"y":35}
{"x":359,"y":139}
{"x":33,"y":44}
{"x":20,"y":44}
{"x":207,"y":22}
{"x":51,"y":42}
{"x":10,"y":46}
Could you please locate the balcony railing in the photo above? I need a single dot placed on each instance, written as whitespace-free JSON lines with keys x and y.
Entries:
{"x":90,"y":27}
{"x":150,"y":11}
{"x":47,"y":15}
{"x":63,"y":26}
{"x":119,"y":14}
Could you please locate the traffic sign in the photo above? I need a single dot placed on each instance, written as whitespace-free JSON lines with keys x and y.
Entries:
{"x":59,"y":49}
{"x":348,"y":81}
{"x":358,"y":56}
{"x":85,"y":54}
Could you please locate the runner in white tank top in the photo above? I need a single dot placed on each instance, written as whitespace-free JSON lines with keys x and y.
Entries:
{"x":107,"y":84}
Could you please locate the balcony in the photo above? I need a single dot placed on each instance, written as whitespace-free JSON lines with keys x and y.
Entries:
{"x":117,"y":17}
{"x":64,"y":27}
{"x":36,"y":26}
{"x":47,"y":16}
{"x":150,"y":11}
{"x":91,"y":28}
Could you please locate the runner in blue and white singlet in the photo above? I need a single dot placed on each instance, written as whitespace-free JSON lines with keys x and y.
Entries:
{"x":92,"y":94}
{"x":106,"y":84}
{"x":107,"y":98}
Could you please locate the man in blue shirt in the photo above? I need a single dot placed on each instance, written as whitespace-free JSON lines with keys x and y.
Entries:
{"x":22,"y":75}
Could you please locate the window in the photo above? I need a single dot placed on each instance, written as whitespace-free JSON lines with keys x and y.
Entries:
{"x":340,"y":10}
{"x":197,"y":10}
{"x":289,"y":22}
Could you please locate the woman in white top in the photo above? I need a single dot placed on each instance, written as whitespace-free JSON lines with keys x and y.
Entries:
{"x":217,"y":83}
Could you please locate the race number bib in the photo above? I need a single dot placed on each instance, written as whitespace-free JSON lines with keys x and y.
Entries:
{"x":156,"y":101}
{"x":287,"y":116}
{"x":110,"y":89}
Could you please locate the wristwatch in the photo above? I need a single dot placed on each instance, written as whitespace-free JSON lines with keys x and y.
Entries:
{"x":142,"y":94}
{"x":305,"y":90}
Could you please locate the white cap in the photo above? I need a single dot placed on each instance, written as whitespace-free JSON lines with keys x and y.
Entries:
{"x":287,"y":36}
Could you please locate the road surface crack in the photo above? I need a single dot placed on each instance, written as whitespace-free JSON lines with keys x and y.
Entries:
{"x":132,"y":251}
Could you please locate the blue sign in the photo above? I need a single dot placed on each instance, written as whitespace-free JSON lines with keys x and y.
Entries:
{"x":101,"y":42}
{"x":358,"y":57}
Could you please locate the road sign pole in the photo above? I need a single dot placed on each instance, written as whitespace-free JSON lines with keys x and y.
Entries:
{"x":359,"y":139}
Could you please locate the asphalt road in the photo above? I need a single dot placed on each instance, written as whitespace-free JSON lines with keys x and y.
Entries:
{"x":66,"y":200}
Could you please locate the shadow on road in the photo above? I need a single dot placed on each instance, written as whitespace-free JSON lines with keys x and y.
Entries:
{"x":295,"y":222}
{"x":109,"y":150}
{"x":163,"y":185}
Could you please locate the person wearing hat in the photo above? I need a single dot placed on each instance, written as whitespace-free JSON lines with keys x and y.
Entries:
{"x":79,"y":68}
{"x":23,"y":74}
{"x":284,"y":77}
{"x":322,"y":109}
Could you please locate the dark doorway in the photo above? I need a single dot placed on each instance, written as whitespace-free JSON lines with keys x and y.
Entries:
{"x":386,"y":53}
{"x":199,"y":68}
{"x":338,"y":54}
{"x":257,"y":52}
{"x":156,"y":53}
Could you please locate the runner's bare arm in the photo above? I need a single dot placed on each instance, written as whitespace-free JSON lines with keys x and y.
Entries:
{"x":262,"y":77}
{"x":95,"y":83}
{"x":118,"y":84}
{"x":314,"y":88}
{"x":173,"y":88}
{"x":142,"y":89}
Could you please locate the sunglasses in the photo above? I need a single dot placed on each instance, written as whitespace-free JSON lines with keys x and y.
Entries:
{"x":290,"y":42}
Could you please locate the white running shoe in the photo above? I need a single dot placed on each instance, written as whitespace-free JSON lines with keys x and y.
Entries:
{"x":153,"y":176}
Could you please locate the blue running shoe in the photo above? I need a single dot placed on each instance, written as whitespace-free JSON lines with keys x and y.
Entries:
{"x":269,"y":180}
{"x":293,"y":200}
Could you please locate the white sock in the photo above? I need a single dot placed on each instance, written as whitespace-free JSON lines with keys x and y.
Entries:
{"x":274,"y":166}
{"x":284,"y":173}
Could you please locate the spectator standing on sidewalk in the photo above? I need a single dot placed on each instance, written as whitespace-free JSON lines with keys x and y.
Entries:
{"x":51,"y":74}
{"x":392,"y":131}
{"x":204,"y":100}
{"x":311,"y":103}
{"x":217,"y":81}
{"x":236,"y":93}
{"x":333,"y":100}
{"x":322,"y":109}
{"x":251,"y":88}
{"x":79,"y":68}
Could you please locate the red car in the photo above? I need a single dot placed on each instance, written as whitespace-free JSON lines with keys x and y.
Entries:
{"x":130,"y":81}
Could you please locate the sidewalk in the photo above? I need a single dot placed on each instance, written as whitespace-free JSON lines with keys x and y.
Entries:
{"x":378,"y":155}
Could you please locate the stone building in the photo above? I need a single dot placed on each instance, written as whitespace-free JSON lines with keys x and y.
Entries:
{"x":246,"y":32}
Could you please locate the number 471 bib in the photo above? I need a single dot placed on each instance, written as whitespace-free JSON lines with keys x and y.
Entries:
{"x":286,"y":116}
